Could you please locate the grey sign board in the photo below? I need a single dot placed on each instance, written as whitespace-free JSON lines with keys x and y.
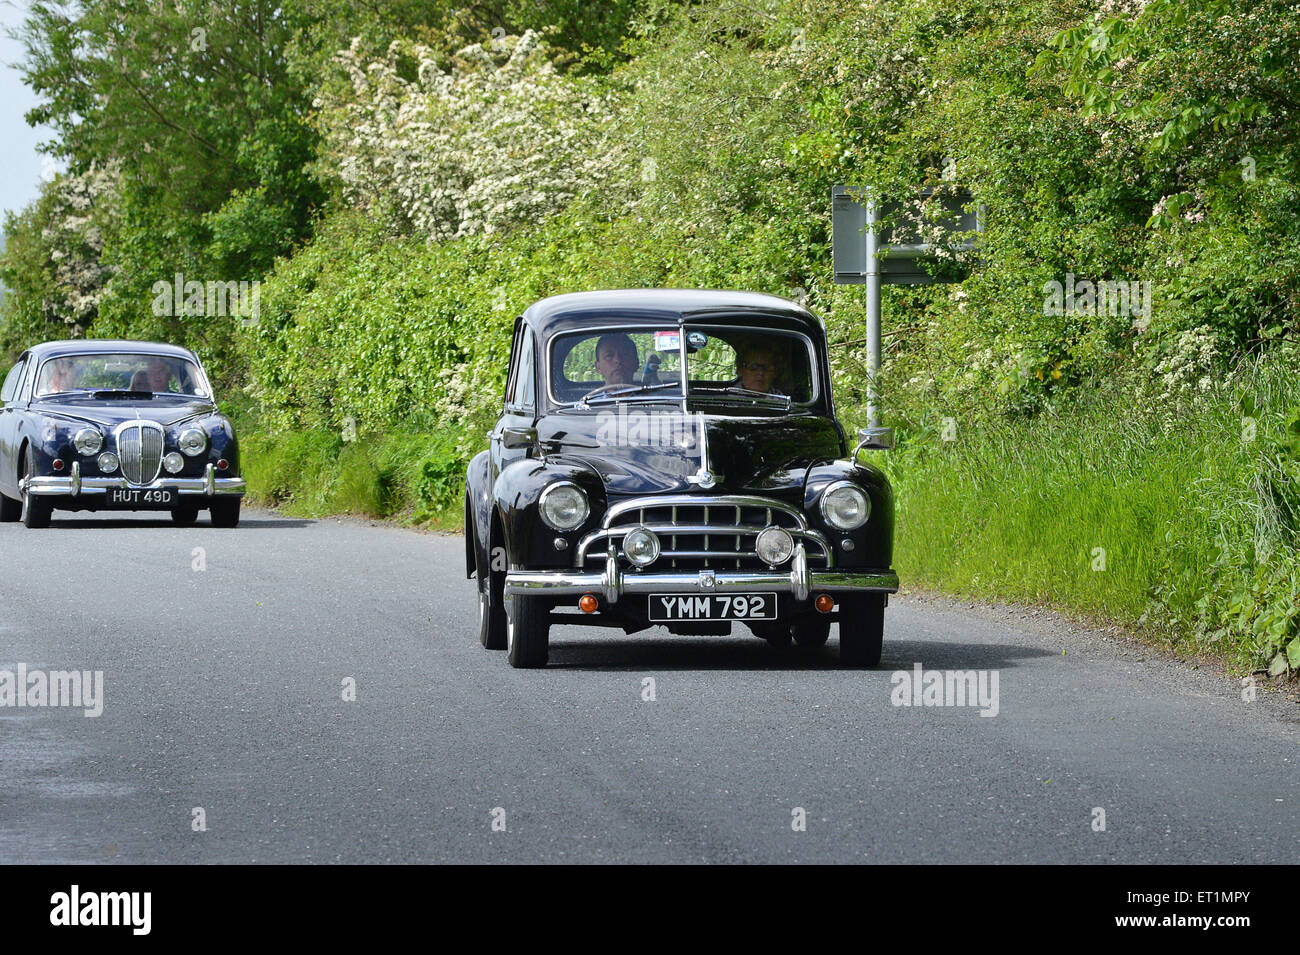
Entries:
{"x":856,"y":220}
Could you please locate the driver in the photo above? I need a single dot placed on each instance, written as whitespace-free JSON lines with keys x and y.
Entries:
{"x":616,"y":358}
{"x":759,"y":365}
{"x":62,"y":376}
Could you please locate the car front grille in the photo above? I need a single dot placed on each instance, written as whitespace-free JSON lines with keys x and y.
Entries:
{"x":140,"y":451}
{"x":698,"y":532}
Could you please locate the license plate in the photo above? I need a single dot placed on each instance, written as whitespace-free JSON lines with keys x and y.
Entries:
{"x":713,"y":607}
{"x":141,"y":497}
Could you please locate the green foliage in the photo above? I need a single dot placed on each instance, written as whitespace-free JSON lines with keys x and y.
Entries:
{"x":1196,"y":507}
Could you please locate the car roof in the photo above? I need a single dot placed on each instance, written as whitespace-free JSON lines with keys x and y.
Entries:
{"x":650,"y":306}
{"x":101,"y":346}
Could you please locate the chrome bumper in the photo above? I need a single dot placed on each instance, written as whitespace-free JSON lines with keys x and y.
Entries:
{"x":613,"y":582}
{"x":74,"y":485}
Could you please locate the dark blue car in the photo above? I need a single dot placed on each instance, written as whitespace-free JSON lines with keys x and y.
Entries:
{"x":114,"y":425}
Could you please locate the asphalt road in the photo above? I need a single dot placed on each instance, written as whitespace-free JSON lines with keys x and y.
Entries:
{"x":223,"y":690}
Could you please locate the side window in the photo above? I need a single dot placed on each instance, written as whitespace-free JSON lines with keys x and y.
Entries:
{"x":521,"y":394}
{"x":513,"y":372}
{"x":10,"y":389}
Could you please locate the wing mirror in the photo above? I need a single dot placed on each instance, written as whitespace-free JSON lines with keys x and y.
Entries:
{"x":875,"y":439}
{"x":514,"y":438}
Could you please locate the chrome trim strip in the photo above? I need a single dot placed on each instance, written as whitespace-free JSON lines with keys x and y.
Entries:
{"x":76,"y":478}
{"x":704,"y":477}
{"x":62,"y":486}
{"x":607,"y":533}
{"x":699,"y":500}
{"x":564,"y":582}
{"x":669,"y":530}
{"x":209,"y":479}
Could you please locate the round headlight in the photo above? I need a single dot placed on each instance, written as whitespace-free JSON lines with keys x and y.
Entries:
{"x":193,"y":441}
{"x":845,"y":507}
{"x":107,"y":462}
{"x":774,"y":545}
{"x":641,"y":545}
{"x":173,"y":462}
{"x":88,"y":441}
{"x":563,"y":506}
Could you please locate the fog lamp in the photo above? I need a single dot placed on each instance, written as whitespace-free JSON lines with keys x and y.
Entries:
{"x":774,"y":545}
{"x":641,"y":545}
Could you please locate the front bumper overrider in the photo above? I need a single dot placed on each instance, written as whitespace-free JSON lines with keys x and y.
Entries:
{"x":74,"y":485}
{"x":613,"y":582}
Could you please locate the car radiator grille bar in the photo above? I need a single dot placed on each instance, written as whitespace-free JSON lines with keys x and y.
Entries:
{"x":705,"y":535}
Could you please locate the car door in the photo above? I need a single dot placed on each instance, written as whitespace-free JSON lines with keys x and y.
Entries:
{"x":10,"y":413}
{"x":520,"y":410}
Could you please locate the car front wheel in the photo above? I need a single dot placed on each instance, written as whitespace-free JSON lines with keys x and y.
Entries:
{"x":185,"y":514}
{"x":491,"y":613}
{"x":35,"y":511}
{"x":225,"y":513}
{"x":862,"y":629}
{"x":812,"y":632}
{"x":528,"y":634}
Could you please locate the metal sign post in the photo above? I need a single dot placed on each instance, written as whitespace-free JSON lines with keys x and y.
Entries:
{"x":871,"y":268}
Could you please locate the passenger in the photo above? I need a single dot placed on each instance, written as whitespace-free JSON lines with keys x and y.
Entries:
{"x":155,"y":376}
{"x":759,"y":366}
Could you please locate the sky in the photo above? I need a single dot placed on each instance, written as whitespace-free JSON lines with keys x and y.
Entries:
{"x":21,"y":163}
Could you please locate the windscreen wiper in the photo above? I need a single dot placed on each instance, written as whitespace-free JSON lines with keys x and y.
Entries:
{"x":747,"y":393}
{"x":606,"y":393}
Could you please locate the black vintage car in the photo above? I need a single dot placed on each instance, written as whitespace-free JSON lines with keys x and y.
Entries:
{"x":114,"y":425}
{"x":672,"y":458}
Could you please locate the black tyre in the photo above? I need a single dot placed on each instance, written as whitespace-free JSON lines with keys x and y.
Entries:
{"x":528,"y":633}
{"x":185,"y":514}
{"x":225,"y":513}
{"x":778,"y":638}
{"x":812,"y":632}
{"x":10,"y":510}
{"x":491,"y":609}
{"x":35,"y":510}
{"x":862,"y":629}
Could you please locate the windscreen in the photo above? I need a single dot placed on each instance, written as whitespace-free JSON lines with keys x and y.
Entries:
{"x":721,"y":361}
{"x":158,"y":374}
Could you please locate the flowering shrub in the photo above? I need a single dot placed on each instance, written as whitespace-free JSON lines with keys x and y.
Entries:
{"x":492,"y":137}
